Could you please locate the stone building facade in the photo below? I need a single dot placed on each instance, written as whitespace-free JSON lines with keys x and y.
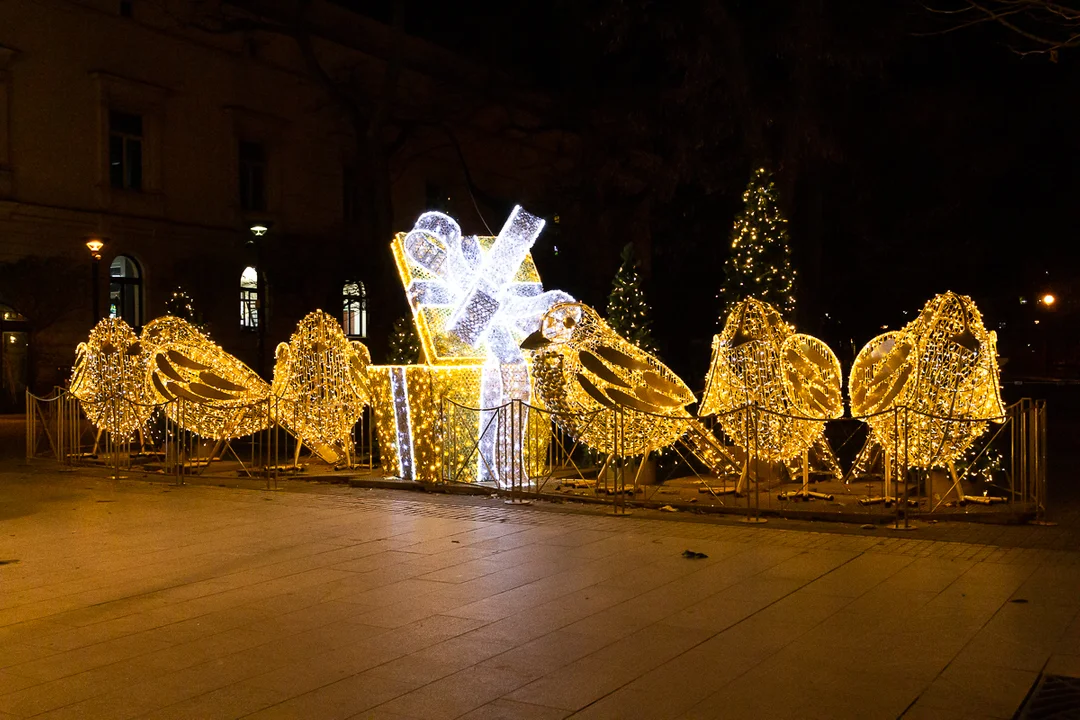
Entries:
{"x":132,"y":122}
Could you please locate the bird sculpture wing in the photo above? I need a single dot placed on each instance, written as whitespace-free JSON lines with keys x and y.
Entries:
{"x":811,"y":377}
{"x":615,"y":372}
{"x":219,"y":378}
{"x":222,"y":393}
{"x":881,"y":372}
{"x":78,"y":370}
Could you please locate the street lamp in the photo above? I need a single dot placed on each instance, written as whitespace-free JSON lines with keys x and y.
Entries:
{"x":94,"y":245}
{"x":258,"y":230}
{"x":1048,"y":299}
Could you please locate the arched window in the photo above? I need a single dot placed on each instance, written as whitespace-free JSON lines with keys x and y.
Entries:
{"x":249,"y":298}
{"x":125,"y":290}
{"x":354,"y":303}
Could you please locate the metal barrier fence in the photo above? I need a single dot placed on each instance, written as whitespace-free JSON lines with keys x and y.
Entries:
{"x":894,"y":490}
{"x":534,"y":455}
{"x":58,"y":429}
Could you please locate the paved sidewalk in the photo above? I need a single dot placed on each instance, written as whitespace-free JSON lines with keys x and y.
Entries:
{"x":124,"y":599}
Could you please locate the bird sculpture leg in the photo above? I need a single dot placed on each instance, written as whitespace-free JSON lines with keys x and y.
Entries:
{"x":887,"y":477}
{"x":956,"y":484}
{"x":640,"y":467}
{"x":805,"y":490}
{"x":743,"y":476}
{"x":603,"y":472}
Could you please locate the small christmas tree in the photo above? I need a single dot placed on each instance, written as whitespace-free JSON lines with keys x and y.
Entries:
{"x":404,"y":345}
{"x":627,"y":312}
{"x":182,"y":306}
{"x":760,"y":263}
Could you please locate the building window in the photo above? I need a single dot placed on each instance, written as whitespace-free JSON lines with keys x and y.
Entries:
{"x":354,"y":303}
{"x":125,"y":290}
{"x":249,"y":299}
{"x":252,"y":176}
{"x":125,"y":150}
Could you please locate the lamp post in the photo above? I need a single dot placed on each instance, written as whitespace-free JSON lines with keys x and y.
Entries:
{"x":94,"y":245}
{"x":258,"y":230}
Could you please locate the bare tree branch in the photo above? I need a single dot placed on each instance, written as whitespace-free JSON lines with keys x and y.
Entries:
{"x":1048,"y":25}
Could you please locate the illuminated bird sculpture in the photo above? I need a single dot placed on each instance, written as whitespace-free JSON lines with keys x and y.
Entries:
{"x":772,"y":389}
{"x":584,"y":372}
{"x":205,"y":389}
{"x":321,"y":386}
{"x":928,"y":390}
{"x":109,"y":379}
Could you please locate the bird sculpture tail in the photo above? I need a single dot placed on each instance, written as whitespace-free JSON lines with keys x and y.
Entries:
{"x":709,"y":450}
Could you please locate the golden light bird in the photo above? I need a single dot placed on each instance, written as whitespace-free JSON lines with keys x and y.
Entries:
{"x":109,"y":379}
{"x":321,"y":385}
{"x":205,"y":389}
{"x":928,"y":390}
{"x":772,"y":389}
{"x":584,"y":371}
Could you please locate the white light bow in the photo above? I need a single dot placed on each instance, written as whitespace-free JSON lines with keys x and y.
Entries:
{"x":489,"y":306}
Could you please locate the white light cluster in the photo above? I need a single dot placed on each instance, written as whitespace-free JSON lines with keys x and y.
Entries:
{"x":490,"y":304}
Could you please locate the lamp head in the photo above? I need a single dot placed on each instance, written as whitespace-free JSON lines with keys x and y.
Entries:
{"x":95,"y":245}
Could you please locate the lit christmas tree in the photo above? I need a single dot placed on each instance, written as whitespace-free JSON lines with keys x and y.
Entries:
{"x":404,"y":345}
{"x":182,"y":306}
{"x":760,"y":263}
{"x":627,"y":312}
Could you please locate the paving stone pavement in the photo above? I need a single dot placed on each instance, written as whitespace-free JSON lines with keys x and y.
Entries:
{"x":137,"y":599}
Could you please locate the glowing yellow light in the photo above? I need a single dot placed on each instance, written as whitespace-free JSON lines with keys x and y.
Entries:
{"x":109,"y":379}
{"x":95,"y":245}
{"x":321,"y":386}
{"x":203,"y":388}
{"x":1048,"y":299}
{"x":585,"y":371}
{"x":771,"y":388}
{"x":939,"y":373}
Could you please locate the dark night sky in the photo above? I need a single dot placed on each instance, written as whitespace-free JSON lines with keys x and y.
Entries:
{"x":948,"y":161}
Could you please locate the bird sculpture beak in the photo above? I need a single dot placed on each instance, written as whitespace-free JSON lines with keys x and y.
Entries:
{"x":535,"y":341}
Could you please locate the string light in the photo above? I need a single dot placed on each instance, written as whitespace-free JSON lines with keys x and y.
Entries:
{"x":627,"y":311}
{"x":942,"y":369}
{"x":760,"y":263}
{"x":204,"y":389}
{"x":473,"y":299}
{"x":109,"y":379}
{"x":321,"y":386}
{"x":583,"y":370}
{"x":771,"y":388}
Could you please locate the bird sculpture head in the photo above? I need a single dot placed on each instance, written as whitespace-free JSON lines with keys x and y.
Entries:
{"x":558,"y":324}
